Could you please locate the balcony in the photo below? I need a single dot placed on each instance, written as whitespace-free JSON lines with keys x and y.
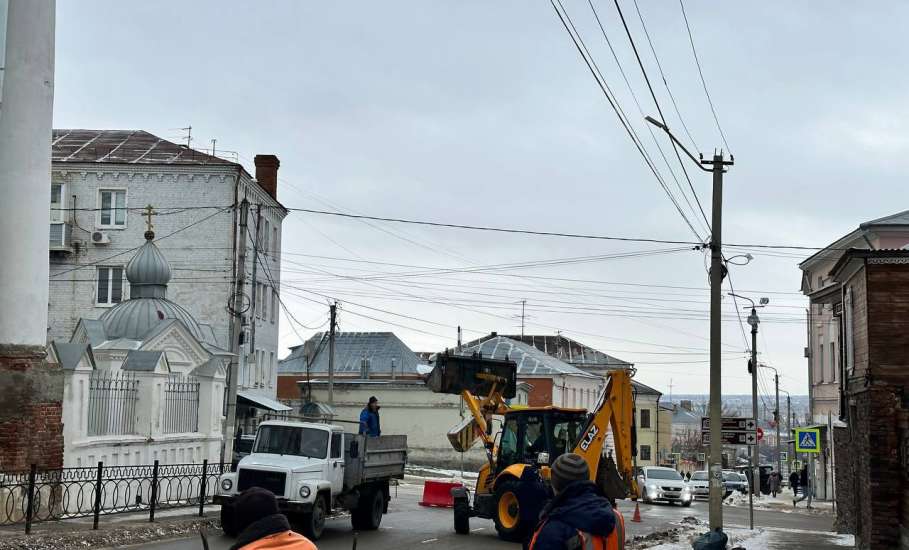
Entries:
{"x":61,"y":237}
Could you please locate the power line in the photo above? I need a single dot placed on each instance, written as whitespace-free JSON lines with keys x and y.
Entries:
{"x":655,"y":101}
{"x":697,"y":61}
{"x":637,"y":103}
{"x":604,"y":87}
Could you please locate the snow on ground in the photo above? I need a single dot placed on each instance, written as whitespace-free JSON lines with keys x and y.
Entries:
{"x":781,"y":503}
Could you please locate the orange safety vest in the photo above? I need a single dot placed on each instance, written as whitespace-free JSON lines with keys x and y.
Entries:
{"x":287,"y":540}
{"x":588,"y":541}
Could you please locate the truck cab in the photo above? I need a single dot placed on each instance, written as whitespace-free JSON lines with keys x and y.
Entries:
{"x":313,"y":469}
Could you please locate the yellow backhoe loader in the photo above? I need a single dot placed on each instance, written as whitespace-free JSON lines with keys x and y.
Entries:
{"x":512,"y":486}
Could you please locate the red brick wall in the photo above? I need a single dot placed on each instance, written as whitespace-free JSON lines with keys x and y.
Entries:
{"x":287,"y":386}
{"x":541,"y":394}
{"x":31,"y":409}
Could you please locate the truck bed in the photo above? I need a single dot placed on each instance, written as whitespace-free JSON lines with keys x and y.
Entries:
{"x":378,"y":458}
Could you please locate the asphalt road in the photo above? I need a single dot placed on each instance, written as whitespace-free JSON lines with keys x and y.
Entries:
{"x":409,"y":525}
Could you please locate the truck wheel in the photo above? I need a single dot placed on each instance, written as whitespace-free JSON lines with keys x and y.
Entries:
{"x":227,"y":520}
{"x":462,"y":516}
{"x":368,"y":514}
{"x":507,"y":512}
{"x":313,"y":523}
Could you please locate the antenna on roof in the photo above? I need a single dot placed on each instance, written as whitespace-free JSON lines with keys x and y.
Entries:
{"x":189,"y":135}
{"x":213,"y":146}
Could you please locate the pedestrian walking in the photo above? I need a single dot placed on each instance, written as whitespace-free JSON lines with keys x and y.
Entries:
{"x":805,"y":484}
{"x":262,"y":527}
{"x":369,"y":418}
{"x":774,"y":483}
{"x":794,"y":485}
{"x":579,"y":516}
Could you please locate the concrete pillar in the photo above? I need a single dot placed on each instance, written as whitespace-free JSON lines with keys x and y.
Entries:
{"x":31,"y":429}
{"x":26,"y":119}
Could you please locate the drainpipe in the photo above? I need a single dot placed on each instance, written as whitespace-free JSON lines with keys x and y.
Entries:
{"x":658,"y":430}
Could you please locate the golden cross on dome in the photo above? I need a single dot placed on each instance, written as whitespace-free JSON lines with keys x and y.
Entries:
{"x":149,"y":212}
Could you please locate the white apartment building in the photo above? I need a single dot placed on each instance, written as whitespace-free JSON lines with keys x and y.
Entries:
{"x":101,"y":183}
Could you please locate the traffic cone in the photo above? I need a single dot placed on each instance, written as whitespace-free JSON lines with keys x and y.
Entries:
{"x":637,"y":513}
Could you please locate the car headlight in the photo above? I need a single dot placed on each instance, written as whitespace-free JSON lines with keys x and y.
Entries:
{"x":652,"y":488}
{"x":226,"y":484}
{"x":304,"y":491}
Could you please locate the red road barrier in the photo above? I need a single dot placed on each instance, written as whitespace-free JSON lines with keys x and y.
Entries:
{"x":438,"y":493}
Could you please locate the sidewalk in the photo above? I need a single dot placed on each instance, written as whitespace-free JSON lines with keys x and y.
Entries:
{"x":782,"y":503}
{"x":113,"y":531}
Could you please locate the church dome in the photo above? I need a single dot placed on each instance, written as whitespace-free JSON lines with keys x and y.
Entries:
{"x":135,"y":317}
{"x":148,"y":273}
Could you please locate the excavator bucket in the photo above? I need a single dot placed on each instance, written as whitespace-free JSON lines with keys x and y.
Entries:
{"x":453,"y":374}
{"x":611,"y":482}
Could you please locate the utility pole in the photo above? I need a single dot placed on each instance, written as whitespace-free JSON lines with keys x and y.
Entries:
{"x":459,"y":337}
{"x":523,"y":303}
{"x":717,"y":274}
{"x":754,"y":321}
{"x":333,"y":312}
{"x":776,"y":418}
{"x":236,"y":338}
{"x":788,"y":425}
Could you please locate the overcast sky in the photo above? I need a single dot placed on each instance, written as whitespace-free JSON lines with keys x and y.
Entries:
{"x":478,"y":112}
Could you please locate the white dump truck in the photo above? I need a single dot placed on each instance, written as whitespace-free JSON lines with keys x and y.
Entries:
{"x":316,"y":469}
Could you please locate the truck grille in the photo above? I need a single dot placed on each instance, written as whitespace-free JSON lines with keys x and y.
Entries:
{"x":273,"y":481}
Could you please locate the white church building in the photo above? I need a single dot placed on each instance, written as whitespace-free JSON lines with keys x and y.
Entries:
{"x":145,"y":381}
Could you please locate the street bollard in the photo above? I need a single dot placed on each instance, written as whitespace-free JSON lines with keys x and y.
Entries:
{"x":202,"y":488}
{"x":154,"y":493}
{"x":98,"y":495}
{"x":29,"y":510}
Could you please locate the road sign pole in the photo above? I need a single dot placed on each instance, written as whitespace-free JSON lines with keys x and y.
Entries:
{"x":755,"y":450}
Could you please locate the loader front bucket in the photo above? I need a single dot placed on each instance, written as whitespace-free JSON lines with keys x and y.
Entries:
{"x":453,"y":374}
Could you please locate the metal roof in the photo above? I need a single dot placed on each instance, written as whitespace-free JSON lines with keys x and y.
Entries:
{"x":380,"y":348}
{"x":124,"y":147}
{"x":70,"y":355}
{"x":263,"y":402}
{"x":145,"y":361}
{"x":568,"y":350}
{"x":530,"y":360}
{"x":898,"y":219}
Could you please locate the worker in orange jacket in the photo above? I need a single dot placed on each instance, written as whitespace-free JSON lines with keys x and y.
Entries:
{"x":262,"y":527}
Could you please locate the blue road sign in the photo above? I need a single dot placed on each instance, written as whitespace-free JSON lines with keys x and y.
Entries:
{"x":807,"y":440}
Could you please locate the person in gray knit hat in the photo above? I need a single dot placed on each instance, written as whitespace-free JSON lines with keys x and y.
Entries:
{"x":578,"y":511}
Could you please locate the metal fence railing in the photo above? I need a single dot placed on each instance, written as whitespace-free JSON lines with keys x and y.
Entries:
{"x":181,"y":405}
{"x":112,"y":401}
{"x":67,"y":493}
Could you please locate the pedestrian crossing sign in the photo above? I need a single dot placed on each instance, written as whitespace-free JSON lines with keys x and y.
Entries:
{"x":807,"y":440}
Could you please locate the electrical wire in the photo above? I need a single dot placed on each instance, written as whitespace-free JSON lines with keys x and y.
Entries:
{"x":697,"y":61}
{"x":604,"y":87}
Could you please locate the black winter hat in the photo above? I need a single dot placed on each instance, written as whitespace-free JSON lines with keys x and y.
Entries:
{"x":254,"y":504}
{"x":567,"y":468}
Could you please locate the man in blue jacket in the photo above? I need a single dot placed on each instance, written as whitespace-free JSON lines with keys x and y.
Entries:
{"x":578,"y":509}
{"x":369,"y":418}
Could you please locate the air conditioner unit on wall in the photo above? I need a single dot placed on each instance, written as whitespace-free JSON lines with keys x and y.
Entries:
{"x":100,"y":237}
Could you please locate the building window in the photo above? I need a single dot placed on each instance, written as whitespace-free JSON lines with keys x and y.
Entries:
{"x":820,"y":361}
{"x":833,"y":375}
{"x":271,"y":368}
{"x":110,"y":285}
{"x":265,"y":235}
{"x":645,"y":452}
{"x":274,"y":240}
{"x":112,"y":210}
{"x":266,"y":290}
{"x":645,"y":418}
{"x":847,"y":312}
{"x":56,"y":206}
{"x":274,"y":304}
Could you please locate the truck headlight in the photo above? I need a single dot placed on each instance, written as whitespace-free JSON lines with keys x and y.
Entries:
{"x":226,"y":484}
{"x":304,"y":491}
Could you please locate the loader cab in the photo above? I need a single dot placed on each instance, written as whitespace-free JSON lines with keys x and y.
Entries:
{"x":527,"y":433}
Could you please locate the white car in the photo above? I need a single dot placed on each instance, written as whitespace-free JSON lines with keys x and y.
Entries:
{"x":699,"y":484}
{"x":658,"y":483}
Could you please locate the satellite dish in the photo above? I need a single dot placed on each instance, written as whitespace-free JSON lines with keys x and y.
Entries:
{"x":765,"y":301}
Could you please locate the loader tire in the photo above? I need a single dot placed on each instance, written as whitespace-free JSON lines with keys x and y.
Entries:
{"x":462,"y":516}
{"x":507,"y":512}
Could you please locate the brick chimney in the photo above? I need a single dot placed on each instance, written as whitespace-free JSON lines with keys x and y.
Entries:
{"x":267,"y":173}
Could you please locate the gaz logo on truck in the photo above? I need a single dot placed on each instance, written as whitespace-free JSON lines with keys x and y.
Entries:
{"x":589,"y":437}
